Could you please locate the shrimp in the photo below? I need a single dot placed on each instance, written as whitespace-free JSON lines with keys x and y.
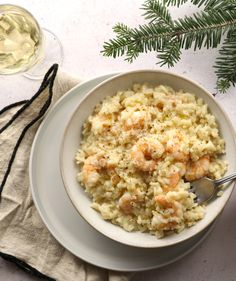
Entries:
{"x":173,"y":147}
{"x":172,"y":213}
{"x":173,"y":181}
{"x":100,"y":123}
{"x":115,"y":179}
{"x":126,"y":203}
{"x":93,"y":167}
{"x":90,"y":175}
{"x":91,"y":170}
{"x":181,"y":168}
{"x":198,"y":169}
{"x":175,"y":177}
{"x":136,"y":120}
{"x":161,"y":200}
{"x":146,"y":153}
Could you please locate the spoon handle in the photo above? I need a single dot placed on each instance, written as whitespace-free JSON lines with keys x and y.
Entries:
{"x":225,"y":179}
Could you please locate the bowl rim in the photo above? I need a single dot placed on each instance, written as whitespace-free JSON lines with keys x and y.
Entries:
{"x":62,"y":170}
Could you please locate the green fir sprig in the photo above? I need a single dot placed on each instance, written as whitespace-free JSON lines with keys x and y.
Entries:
{"x":215,"y":24}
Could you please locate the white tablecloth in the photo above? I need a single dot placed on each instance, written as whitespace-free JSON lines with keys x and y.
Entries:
{"x":83,"y":26}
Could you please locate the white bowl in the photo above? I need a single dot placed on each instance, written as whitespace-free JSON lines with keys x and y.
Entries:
{"x":72,"y":138}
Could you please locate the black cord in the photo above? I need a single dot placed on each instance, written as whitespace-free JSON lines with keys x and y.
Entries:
{"x":12,"y":105}
{"x":47,"y":81}
{"x":25,"y":267}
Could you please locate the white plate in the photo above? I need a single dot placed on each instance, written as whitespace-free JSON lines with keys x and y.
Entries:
{"x":72,"y":139}
{"x":61,"y":218}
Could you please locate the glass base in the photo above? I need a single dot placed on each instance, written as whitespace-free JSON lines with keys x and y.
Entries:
{"x":53,"y":53}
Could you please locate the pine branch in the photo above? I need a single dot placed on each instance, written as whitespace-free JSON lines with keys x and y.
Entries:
{"x":170,"y":54}
{"x":156,"y":12}
{"x":181,"y":2}
{"x":208,"y":4}
{"x":199,"y":3}
{"x":131,"y":42}
{"x":201,"y":29}
{"x":226,"y":63}
{"x":204,"y":29}
{"x":174,"y":2}
{"x":223,"y":5}
{"x":121,"y":29}
{"x":168,"y":37}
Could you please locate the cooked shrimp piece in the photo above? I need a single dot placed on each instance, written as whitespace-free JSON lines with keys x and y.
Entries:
{"x":166,"y":204}
{"x":136,"y":120}
{"x":146,"y":153}
{"x":90,"y":171}
{"x":174,"y":180}
{"x":175,"y":151}
{"x":161,"y":199}
{"x":173,"y":212}
{"x":90,"y":175}
{"x":198,"y":169}
{"x":115,"y":179}
{"x":126,"y":203}
{"x":93,"y":165}
{"x":181,"y":168}
{"x":175,"y":176}
{"x":101,"y":123}
{"x":173,"y":148}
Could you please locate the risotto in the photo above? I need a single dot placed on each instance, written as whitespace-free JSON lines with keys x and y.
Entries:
{"x":140,"y":150}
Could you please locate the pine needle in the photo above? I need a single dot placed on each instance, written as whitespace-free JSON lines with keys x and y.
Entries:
{"x":167,"y":37}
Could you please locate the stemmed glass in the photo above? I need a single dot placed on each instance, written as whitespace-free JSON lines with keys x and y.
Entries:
{"x":24,"y":45}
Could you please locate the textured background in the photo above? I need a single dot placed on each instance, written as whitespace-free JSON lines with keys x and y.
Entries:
{"x":82,"y":27}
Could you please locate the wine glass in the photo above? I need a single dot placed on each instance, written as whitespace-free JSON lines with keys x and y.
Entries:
{"x":24,"y":45}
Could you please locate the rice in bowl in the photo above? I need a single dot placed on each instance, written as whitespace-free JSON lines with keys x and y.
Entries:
{"x":140,"y":149}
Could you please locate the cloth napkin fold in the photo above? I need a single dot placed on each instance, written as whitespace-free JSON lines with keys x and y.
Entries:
{"x":24,"y":239}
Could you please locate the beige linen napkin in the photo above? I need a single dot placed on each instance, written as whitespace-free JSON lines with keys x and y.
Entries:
{"x":24,"y":238}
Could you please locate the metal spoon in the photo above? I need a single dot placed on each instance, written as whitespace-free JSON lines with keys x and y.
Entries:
{"x":205,"y":188}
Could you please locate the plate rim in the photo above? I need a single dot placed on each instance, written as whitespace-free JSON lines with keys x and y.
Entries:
{"x":84,"y":98}
{"x":51,"y":227}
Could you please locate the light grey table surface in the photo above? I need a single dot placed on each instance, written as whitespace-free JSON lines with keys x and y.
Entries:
{"x":82,"y":27}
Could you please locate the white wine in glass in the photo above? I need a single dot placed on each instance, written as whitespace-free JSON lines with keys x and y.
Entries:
{"x":23,"y":43}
